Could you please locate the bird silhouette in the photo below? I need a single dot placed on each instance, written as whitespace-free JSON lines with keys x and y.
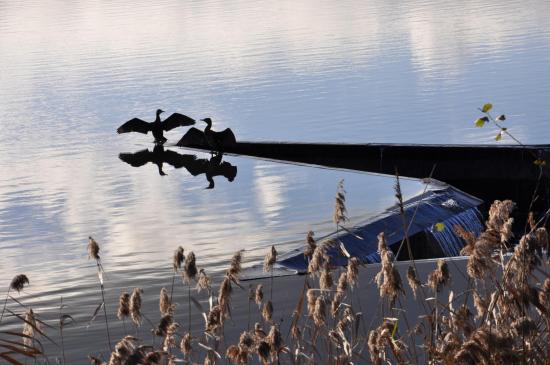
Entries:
{"x":159,"y":156}
{"x":157,"y":127}
{"x":217,"y":141}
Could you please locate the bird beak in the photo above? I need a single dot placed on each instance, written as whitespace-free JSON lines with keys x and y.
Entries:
{"x":162,"y":111}
{"x":203,"y":120}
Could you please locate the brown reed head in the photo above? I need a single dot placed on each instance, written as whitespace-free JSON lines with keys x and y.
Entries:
{"x":258,"y":332}
{"x":165,"y":304}
{"x":232,"y":353}
{"x":544,"y":294}
{"x":224,"y":295}
{"x":480,"y":262}
{"x":468,"y":237}
{"x":353,"y":271}
{"x":246,"y":340}
{"x":320,"y":311}
{"x":340,"y":212}
{"x":336,"y":302}
{"x":165,"y":322}
{"x":29,"y":328}
{"x":267,"y":311}
{"x":318,"y":258}
{"x":311,"y":299}
{"x":18,"y":282}
{"x":170,"y":337}
{"x":270,"y":259}
{"x":263,"y":352}
{"x":123,"y":306}
{"x":185,"y":345}
{"x":398,"y":193}
{"x":189,"y":268}
{"x":310,"y":245}
{"x":203,"y":283}
{"x":235,"y":267}
{"x":325,"y":281}
{"x":259,"y":294}
{"x":275,"y":341}
{"x":440,"y":277}
{"x":93,"y":249}
{"x":412,"y":279}
{"x":178,"y":258}
{"x":135,"y":306}
{"x":342,"y":282}
{"x":213,"y":320}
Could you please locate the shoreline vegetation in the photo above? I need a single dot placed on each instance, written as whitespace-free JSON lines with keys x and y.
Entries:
{"x":502,"y":316}
{"x":497,"y":311}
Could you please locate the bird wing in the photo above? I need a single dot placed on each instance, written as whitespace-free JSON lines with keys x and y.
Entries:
{"x":199,"y":166}
{"x":193,"y":137}
{"x":178,"y":160}
{"x":135,"y":125}
{"x":225,"y":138}
{"x":137,"y":159}
{"x":177,"y":120}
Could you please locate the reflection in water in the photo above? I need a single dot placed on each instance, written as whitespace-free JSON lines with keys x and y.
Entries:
{"x":210,"y":167}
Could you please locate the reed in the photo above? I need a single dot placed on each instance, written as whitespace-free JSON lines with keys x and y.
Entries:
{"x":177,"y":261}
{"x":502,"y":317}
{"x":189,"y":275}
{"x":269,"y":260}
{"x":93,"y":253}
{"x":17,"y":283}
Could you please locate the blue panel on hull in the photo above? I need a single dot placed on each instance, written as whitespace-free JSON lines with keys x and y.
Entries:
{"x":440,"y":204}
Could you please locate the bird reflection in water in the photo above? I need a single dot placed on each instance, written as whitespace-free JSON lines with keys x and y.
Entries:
{"x":215,"y":166}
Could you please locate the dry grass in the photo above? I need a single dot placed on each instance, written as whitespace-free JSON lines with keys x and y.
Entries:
{"x":502,"y":318}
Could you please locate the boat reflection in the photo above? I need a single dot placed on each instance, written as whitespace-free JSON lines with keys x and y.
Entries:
{"x":215,"y":166}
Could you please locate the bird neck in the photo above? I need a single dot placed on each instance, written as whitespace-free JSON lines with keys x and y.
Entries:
{"x":208,"y":126}
{"x":158,"y":118}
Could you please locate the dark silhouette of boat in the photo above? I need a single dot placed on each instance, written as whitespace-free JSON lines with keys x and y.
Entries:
{"x":489,"y":172}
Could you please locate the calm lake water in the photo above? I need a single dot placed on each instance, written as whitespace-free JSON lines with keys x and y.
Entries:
{"x":334,"y":71}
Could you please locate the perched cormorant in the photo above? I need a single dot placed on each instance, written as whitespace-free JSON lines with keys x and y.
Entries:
{"x":218,"y":140}
{"x":158,"y":126}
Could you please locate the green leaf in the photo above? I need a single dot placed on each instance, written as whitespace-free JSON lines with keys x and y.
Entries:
{"x":440,"y":227}
{"x":480,"y":122}
{"x":499,"y":136}
{"x":487,"y":107}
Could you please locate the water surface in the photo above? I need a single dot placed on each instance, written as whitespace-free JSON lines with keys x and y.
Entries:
{"x":346,"y":71}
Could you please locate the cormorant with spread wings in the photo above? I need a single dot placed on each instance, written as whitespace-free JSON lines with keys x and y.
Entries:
{"x":158,"y":126}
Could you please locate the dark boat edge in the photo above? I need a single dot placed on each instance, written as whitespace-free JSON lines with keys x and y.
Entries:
{"x":489,"y":172}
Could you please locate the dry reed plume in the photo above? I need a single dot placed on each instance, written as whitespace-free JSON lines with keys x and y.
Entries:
{"x":310,"y":245}
{"x":270,"y":259}
{"x":93,"y":253}
{"x":165,"y":304}
{"x":17,"y":283}
{"x":203,"y":283}
{"x":388,"y":279}
{"x":135,"y":306}
{"x":189,"y":268}
{"x":501,"y":317}
{"x":340,"y":212}
{"x":123,"y":306}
